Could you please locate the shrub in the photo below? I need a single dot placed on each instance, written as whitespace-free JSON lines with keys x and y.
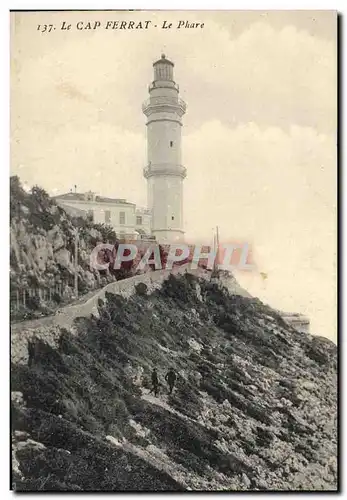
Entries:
{"x":141,"y":289}
{"x":33,"y":303}
{"x":56,"y":298}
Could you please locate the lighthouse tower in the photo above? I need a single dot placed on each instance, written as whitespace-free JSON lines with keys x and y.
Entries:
{"x":164,"y":171}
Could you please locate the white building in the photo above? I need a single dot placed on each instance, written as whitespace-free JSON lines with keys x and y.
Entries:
{"x":164,"y":171}
{"x":127,"y":220}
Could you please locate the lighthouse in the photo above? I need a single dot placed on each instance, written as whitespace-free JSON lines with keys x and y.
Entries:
{"x":164,"y":170}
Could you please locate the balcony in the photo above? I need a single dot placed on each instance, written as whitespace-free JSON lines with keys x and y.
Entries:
{"x":155,"y":103}
{"x":160,"y":84}
{"x":165,"y":169}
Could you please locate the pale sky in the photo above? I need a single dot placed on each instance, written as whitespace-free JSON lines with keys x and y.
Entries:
{"x":259,"y":136}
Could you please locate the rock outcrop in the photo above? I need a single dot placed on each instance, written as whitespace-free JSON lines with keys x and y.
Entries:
{"x":254,"y":407}
{"x":42,"y":239}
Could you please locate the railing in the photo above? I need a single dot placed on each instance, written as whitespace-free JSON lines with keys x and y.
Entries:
{"x":22,"y":296}
{"x":159,"y":101}
{"x":165,"y":170}
{"x":167,"y":84}
{"x":182,"y":103}
{"x":60,"y":293}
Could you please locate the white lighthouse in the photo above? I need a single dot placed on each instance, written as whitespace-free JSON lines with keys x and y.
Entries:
{"x":164,"y":171}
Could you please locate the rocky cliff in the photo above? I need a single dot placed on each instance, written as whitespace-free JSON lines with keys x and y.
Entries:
{"x":254,"y":407}
{"x":42,"y":239}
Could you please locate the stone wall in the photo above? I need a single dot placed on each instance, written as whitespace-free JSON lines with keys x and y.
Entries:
{"x":48,"y":328}
{"x":298,"y":321}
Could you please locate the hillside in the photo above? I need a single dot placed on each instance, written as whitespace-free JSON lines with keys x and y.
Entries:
{"x":42,"y":250}
{"x":254,"y":407}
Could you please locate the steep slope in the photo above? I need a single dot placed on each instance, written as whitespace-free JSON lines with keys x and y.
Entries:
{"x":254,"y":407}
{"x":42,"y":250}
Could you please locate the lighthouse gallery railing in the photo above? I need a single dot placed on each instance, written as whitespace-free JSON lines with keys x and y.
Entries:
{"x":158,"y":101}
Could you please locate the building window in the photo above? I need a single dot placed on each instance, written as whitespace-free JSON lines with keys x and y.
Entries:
{"x":171,"y":144}
{"x":121,"y":217}
{"x":172,"y":217}
{"x":107,"y":216}
{"x":90,"y":215}
{"x":138,"y":220}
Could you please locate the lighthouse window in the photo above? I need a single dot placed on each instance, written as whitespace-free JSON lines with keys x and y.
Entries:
{"x":171,"y":144}
{"x":172,"y":217}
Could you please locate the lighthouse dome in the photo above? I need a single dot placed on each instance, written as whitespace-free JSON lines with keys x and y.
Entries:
{"x":163,"y":60}
{"x":163,"y":69}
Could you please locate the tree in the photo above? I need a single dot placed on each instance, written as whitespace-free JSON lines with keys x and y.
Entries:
{"x":41,"y":198}
{"x":17,"y":196}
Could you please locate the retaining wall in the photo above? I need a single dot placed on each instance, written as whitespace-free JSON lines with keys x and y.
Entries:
{"x":48,"y":328}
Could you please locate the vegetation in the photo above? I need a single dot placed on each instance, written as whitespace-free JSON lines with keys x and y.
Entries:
{"x":236,"y":365}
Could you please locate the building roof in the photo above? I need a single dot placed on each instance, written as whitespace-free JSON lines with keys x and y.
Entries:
{"x":70,"y":196}
{"x":74,"y":211}
{"x":121,"y":201}
{"x":163,"y":60}
{"x":98,"y":199}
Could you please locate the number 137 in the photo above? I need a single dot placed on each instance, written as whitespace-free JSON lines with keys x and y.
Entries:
{"x":45,"y":27}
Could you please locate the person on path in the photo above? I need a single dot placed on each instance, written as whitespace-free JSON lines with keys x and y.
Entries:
{"x":171,"y":377}
{"x":155,"y":382}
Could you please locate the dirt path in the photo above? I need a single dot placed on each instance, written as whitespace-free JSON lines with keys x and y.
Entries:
{"x":46,"y":319}
{"x":162,"y":402}
{"x":71,"y":309}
